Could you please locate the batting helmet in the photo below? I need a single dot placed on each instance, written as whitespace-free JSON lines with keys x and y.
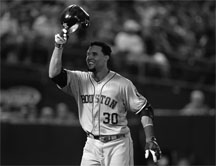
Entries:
{"x":72,"y":15}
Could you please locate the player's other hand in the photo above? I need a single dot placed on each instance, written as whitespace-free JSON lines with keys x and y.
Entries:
{"x":153,"y":149}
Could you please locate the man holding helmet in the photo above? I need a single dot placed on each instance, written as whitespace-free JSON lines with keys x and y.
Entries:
{"x":103,"y":97}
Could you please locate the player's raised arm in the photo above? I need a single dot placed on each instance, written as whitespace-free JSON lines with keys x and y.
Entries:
{"x":56,"y":71}
{"x":55,"y":65}
{"x":71,"y":19}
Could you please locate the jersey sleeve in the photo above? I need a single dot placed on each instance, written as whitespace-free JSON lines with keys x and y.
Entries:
{"x":73,"y":82}
{"x":135,"y":102}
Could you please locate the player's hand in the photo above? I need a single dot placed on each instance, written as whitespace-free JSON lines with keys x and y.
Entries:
{"x":61,"y":39}
{"x":152,"y":148}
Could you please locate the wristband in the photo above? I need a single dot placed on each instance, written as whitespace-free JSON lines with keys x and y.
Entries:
{"x":58,"y":45}
{"x":146,"y":121}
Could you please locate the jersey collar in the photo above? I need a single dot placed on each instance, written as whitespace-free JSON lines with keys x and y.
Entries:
{"x":105,"y":79}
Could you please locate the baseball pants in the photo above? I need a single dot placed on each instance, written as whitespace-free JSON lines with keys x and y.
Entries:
{"x":118,"y":152}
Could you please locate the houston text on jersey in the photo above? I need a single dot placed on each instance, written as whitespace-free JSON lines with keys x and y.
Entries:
{"x":99,"y":98}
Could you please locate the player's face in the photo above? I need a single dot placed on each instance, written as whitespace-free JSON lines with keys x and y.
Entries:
{"x":95,"y":59}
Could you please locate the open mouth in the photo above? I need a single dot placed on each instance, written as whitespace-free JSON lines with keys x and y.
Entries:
{"x":91,"y":63}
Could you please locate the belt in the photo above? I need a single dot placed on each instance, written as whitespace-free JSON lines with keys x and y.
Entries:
{"x":105,"y":138}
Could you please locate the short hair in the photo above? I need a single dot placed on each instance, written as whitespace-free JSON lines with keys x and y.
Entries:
{"x":106,"y":49}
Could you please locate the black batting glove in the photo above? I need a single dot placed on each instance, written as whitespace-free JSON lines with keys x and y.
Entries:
{"x":153,"y":148}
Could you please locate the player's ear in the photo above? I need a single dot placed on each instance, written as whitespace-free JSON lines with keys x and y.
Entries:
{"x":107,"y":57}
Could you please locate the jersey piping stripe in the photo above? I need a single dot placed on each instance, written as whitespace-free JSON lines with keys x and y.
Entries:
{"x":141,"y":108}
{"x":92,"y":103}
{"x":100,"y":97}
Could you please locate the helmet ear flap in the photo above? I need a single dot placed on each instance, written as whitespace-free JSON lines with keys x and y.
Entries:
{"x":73,"y":28}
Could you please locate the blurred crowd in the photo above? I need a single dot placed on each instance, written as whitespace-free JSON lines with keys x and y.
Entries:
{"x":168,"y":39}
{"x":61,"y":114}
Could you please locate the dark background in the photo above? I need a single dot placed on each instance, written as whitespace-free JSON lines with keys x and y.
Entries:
{"x":57,"y":145}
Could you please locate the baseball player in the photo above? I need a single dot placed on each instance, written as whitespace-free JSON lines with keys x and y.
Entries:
{"x":104,"y":97}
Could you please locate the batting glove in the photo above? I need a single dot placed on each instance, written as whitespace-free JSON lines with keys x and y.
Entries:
{"x":152,"y":148}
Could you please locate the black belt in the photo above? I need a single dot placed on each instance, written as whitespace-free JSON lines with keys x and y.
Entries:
{"x":105,"y":138}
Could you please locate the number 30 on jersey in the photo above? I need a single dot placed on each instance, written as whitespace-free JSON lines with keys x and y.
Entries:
{"x":110,"y":118}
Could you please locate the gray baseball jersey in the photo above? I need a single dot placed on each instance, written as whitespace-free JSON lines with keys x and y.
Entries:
{"x":103,"y":105}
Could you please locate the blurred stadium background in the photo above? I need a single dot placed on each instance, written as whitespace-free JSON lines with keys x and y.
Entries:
{"x":166,"y":47}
